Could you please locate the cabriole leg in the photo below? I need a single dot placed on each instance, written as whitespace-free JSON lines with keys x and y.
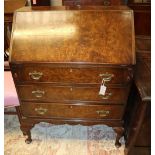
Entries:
{"x":119,"y":131}
{"x":27,"y":132}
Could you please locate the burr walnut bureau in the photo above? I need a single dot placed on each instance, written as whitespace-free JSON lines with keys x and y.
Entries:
{"x":72,"y":65}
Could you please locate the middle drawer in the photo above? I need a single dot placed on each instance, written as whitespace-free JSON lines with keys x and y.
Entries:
{"x":50,"y":93}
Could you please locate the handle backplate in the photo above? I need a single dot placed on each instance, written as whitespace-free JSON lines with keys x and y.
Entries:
{"x":35,"y":75}
{"x":106,"y":76}
{"x":103,"y":113}
{"x":41,"y":111}
{"x":38,"y":93}
{"x":106,"y":96}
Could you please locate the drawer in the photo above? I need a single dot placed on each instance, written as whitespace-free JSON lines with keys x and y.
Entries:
{"x":50,"y":93}
{"x":52,"y":110}
{"x":95,"y":75}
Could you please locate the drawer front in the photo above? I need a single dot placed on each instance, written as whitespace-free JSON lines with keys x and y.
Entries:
{"x":49,"y":93}
{"x":93,"y":75}
{"x":50,"y":110}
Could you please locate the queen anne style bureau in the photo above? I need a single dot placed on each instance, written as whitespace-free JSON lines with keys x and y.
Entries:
{"x":62,"y":56}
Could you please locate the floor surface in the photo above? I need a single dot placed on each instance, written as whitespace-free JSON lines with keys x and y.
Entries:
{"x":51,"y":139}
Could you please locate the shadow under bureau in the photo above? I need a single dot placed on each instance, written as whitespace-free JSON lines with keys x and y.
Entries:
{"x":72,"y":65}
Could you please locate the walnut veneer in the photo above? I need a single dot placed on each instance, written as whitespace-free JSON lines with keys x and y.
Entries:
{"x":60,"y":56}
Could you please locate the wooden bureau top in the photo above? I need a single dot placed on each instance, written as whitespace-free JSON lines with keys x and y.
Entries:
{"x":102,"y":35}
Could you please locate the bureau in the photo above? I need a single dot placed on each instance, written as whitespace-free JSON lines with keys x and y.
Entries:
{"x":72,"y":65}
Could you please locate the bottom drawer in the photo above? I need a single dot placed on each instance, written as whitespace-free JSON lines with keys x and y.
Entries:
{"x":78,"y":111}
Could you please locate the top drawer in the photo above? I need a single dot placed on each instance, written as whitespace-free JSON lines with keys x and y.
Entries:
{"x":65,"y":74}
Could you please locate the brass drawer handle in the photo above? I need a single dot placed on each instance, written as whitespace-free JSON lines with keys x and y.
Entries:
{"x":41,"y":110}
{"x":106,"y":77}
{"x":103,"y":113}
{"x":35,"y":75}
{"x":38,"y":93}
{"x":106,"y":96}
